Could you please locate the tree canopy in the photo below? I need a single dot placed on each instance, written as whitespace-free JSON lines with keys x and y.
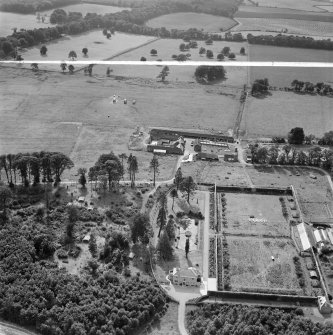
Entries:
{"x":205,"y":73}
{"x":296,"y":136}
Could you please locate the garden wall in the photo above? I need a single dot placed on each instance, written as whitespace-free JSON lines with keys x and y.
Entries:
{"x":303,"y":300}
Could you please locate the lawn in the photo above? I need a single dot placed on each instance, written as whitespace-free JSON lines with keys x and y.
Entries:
{"x":251,"y":265}
{"x":241,"y":207}
{"x":276,"y":114}
{"x":184,"y":21}
{"x":74,"y":114}
{"x":322,"y":29}
{"x":236,"y":76}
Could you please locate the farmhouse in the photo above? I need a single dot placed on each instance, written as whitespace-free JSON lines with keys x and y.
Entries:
{"x":167,"y":146}
{"x":207,"y":157}
{"x":186,"y":277}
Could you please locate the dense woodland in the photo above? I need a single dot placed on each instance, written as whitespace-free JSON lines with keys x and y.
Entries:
{"x":31,"y":6}
{"x":220,"y":319}
{"x":34,"y":292}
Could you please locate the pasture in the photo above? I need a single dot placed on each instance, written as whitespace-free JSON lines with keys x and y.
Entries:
{"x":99,"y":47}
{"x":323,"y":29}
{"x":255,"y":214}
{"x":236,"y":75}
{"x":281,"y":111}
{"x":252,"y":268}
{"x":184,"y":21}
{"x":29,"y":21}
{"x":74,"y":114}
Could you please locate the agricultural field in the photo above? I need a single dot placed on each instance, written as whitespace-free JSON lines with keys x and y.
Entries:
{"x":29,"y":21}
{"x":279,"y":112}
{"x":327,"y":8}
{"x":265,"y":209}
{"x":252,"y":268}
{"x":323,"y":29}
{"x":307,"y":5}
{"x":184,"y":21}
{"x":41,"y":113}
{"x":236,"y":75}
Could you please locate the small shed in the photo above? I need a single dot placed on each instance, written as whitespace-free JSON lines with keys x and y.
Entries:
{"x":323,"y":305}
{"x":131,"y":255}
{"x":86,"y":239}
{"x":317,"y":236}
{"x":207,"y":157}
{"x":313,"y":274}
{"x":81,"y":200}
{"x":159,"y":151}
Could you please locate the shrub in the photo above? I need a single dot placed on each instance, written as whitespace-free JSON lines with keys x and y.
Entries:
{"x":143,"y":59}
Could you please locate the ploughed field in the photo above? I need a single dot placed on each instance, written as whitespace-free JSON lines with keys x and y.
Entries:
{"x":184,"y":21}
{"x":29,"y":21}
{"x":303,"y":27}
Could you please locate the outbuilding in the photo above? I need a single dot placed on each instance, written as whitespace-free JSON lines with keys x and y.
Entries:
{"x":313,"y":274}
{"x":197,"y":145}
{"x":323,"y":305}
{"x":185,"y":277}
{"x":230,"y":157}
{"x":207,"y":157}
{"x":86,"y":239}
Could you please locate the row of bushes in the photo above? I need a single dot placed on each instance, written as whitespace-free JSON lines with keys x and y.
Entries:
{"x":224,"y":208}
{"x":211,"y":211}
{"x":212,"y":258}
{"x":299,"y":271}
{"x":226,"y":264}
{"x":284,"y":207}
{"x":219,"y":265}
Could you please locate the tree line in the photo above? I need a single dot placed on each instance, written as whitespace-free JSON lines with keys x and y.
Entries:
{"x":291,"y":41}
{"x":27,"y":6}
{"x":124,"y":21}
{"x":214,"y":319}
{"x":308,"y":87}
{"x":33,"y":168}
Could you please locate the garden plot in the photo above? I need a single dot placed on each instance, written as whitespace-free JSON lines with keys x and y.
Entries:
{"x":252,"y":267}
{"x":255,"y":214}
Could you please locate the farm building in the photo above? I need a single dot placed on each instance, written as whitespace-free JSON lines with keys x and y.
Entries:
{"x":86,"y":239}
{"x":197,"y":145}
{"x":131,"y":255}
{"x":304,"y":236}
{"x":323,"y":305}
{"x":167,"y":146}
{"x":207,"y":157}
{"x":186,"y":277}
{"x":231,"y":157}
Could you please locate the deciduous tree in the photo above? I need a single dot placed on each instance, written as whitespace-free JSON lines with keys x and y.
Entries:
{"x":188,"y":186}
{"x":154,"y":166}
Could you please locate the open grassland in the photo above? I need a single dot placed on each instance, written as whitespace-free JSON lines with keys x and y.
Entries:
{"x":251,"y":265}
{"x":327,"y":8}
{"x":242,"y":207}
{"x":74,"y":114}
{"x":276,"y":114}
{"x":312,"y":193}
{"x":184,"y":21}
{"x":236,"y":76}
{"x":221,"y":173}
{"x":307,"y":5}
{"x":324,"y":29}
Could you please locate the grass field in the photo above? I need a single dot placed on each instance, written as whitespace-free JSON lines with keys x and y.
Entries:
{"x":184,"y":21}
{"x":307,"y":5}
{"x":324,"y":29}
{"x":327,"y":8}
{"x":236,"y":76}
{"x":74,"y":114}
{"x":240,"y":207}
{"x":251,"y":265}
{"x":276,"y":114}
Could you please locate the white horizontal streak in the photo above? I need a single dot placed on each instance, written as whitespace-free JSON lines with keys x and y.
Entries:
{"x":174,"y":63}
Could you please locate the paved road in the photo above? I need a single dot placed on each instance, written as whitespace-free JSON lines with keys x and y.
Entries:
{"x":10,"y":329}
